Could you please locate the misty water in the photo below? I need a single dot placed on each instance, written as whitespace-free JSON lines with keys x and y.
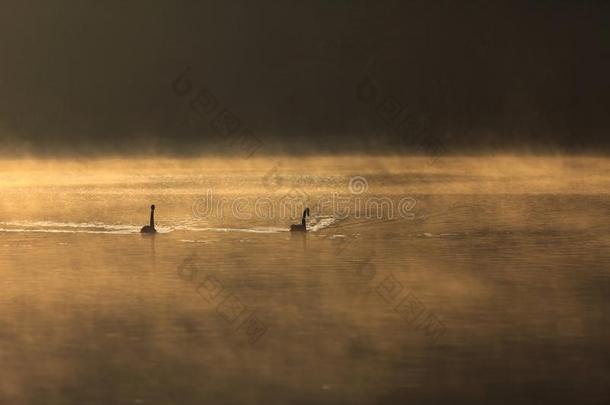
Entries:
{"x":461,"y":279}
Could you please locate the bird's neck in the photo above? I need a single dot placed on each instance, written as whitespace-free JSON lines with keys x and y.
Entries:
{"x":152,"y":218}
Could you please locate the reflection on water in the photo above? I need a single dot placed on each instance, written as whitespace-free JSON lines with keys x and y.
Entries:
{"x":509,"y":255}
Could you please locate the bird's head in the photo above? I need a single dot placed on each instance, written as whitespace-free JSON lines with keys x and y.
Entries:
{"x":152,"y":207}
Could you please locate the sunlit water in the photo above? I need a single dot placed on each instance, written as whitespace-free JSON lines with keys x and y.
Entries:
{"x":492,"y":287}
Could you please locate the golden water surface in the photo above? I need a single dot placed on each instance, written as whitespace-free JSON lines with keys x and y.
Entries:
{"x":480,"y":279}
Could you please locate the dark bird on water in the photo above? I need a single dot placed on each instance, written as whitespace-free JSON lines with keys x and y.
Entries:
{"x":302,"y":227}
{"x":150,"y":228}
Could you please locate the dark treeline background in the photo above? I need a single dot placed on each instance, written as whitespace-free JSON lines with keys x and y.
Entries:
{"x":82,"y":77}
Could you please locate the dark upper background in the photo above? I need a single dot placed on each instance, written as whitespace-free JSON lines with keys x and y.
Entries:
{"x":80,"y":77}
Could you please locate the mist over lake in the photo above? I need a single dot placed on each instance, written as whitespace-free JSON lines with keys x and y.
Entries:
{"x":489,"y":280}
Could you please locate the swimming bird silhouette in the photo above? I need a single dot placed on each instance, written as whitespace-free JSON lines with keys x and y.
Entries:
{"x":302,"y":227}
{"x":150,"y":228}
